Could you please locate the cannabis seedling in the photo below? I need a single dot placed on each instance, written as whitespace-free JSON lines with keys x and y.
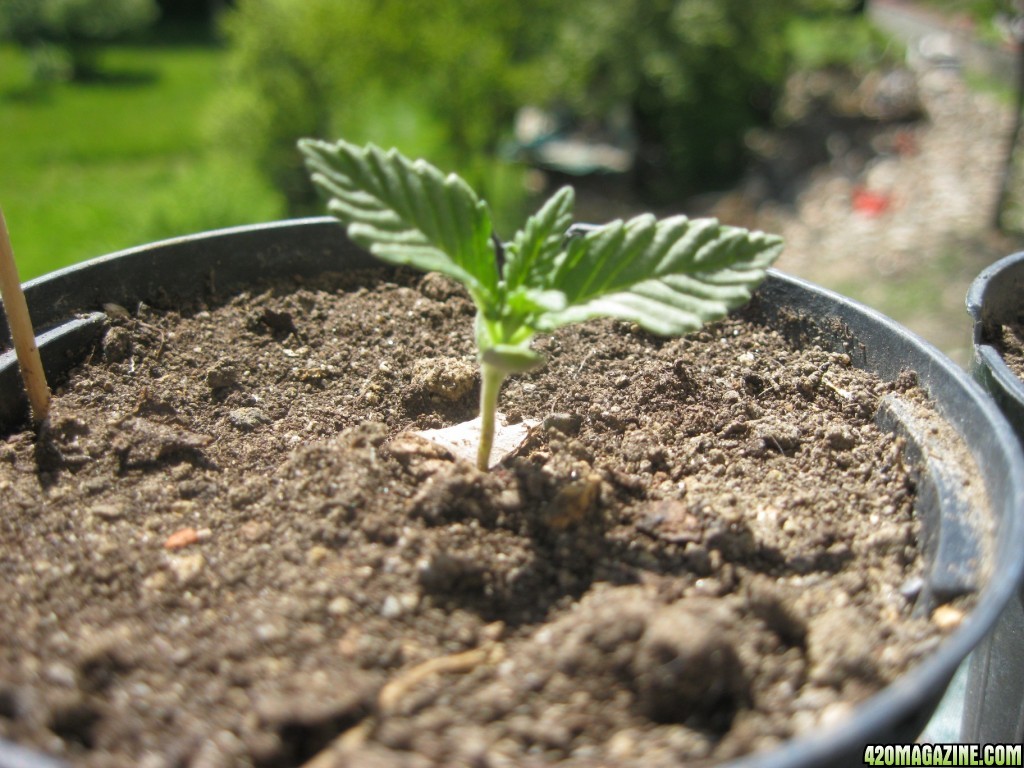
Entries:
{"x":668,"y":276}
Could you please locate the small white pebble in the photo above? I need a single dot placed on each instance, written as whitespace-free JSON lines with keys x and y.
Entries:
{"x":392,"y":608}
{"x":947,"y":617}
{"x":340,"y":606}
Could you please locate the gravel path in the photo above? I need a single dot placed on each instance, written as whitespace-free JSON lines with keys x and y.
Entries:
{"x":898,"y":215}
{"x":909,"y":232}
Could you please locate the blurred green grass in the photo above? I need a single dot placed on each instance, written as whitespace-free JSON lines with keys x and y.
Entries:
{"x":90,"y":168}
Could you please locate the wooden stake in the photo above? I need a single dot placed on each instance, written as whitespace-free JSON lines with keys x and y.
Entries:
{"x":21,"y":329}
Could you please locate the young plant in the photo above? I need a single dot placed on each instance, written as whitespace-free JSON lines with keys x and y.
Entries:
{"x":669,"y":276}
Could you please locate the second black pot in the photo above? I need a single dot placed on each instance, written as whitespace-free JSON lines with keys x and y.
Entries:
{"x":994,"y":704}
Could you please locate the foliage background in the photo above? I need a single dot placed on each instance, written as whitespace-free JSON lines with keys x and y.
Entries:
{"x":190,"y":124}
{"x":694,"y":75}
{"x":63,"y":38}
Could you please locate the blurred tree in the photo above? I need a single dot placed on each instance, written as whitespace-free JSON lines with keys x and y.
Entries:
{"x":314,"y":67}
{"x":696,"y":75}
{"x":191,"y":10}
{"x":479,"y":60}
{"x":443,"y":80}
{"x":285,"y":76}
{"x":1013,"y":12}
{"x":64,"y":37}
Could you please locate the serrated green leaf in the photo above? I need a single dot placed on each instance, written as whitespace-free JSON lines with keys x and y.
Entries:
{"x":531,"y":256}
{"x":408,"y":213}
{"x":670,"y":276}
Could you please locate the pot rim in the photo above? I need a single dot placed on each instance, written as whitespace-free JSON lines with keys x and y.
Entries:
{"x":976,"y":293}
{"x":983,"y":318}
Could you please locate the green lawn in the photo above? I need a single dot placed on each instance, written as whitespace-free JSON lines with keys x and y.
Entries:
{"x":89,"y":168}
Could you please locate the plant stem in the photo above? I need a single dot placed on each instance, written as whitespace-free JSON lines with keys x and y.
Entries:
{"x":21,"y":329}
{"x":491,"y":380}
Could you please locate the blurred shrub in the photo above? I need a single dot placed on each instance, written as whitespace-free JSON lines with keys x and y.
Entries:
{"x":992,"y":21}
{"x":285,"y":71}
{"x":443,"y":80}
{"x":696,"y":75}
{"x":64,"y":36}
{"x":451,"y":72}
{"x":842,"y":42}
{"x":212,"y":194}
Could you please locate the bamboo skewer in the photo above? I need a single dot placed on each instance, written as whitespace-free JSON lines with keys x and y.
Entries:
{"x":21,"y":329}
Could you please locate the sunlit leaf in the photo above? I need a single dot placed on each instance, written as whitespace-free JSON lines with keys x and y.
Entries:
{"x":532,"y":255}
{"x":407,"y":212}
{"x":670,"y":276}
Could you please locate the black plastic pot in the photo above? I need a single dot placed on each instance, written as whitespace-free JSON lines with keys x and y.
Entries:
{"x":994,"y":704}
{"x":996,"y":297}
{"x":971,"y":539}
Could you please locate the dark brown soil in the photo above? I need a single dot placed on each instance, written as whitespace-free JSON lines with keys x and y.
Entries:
{"x":1010,"y":344}
{"x":224,"y":550}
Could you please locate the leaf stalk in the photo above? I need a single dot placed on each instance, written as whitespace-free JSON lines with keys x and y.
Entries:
{"x":492,"y":378}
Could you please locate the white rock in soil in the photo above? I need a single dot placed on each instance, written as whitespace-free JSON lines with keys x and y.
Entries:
{"x":247,"y":419}
{"x":107,"y":511}
{"x":340,"y":606}
{"x":396,"y":606}
{"x":187,"y":568}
